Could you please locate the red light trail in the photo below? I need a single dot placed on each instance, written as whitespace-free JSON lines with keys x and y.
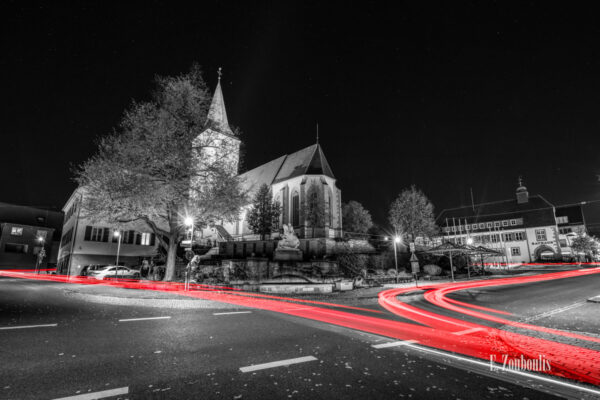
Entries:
{"x":434,"y":330}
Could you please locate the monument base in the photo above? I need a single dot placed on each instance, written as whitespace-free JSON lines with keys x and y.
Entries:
{"x":287,"y":255}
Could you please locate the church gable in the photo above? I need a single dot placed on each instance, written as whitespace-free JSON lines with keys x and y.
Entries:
{"x":309,"y":160}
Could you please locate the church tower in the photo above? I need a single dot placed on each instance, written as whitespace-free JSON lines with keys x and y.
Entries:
{"x":217,"y":140}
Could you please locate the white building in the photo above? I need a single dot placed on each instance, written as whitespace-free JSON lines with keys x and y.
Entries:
{"x":86,"y":243}
{"x":524,"y":228}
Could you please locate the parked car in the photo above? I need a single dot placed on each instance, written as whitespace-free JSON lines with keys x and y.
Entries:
{"x":87,"y":269}
{"x":112,"y":271}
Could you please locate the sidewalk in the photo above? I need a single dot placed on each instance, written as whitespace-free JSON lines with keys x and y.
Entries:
{"x":106,"y":294}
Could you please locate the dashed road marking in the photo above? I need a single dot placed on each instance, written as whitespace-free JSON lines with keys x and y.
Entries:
{"x":393,"y":344}
{"x":232,"y":312}
{"x":552,"y":312}
{"x":142,"y":319}
{"x":28,"y":326}
{"x":97,"y":395}
{"x":275,"y":364}
{"x":467,"y":331}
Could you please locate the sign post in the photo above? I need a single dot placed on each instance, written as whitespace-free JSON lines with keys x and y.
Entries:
{"x":414,"y":263}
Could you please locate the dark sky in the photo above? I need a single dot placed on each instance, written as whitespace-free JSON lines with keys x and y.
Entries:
{"x":447,"y":97}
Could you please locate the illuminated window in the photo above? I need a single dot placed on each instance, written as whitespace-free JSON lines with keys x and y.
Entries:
{"x":497,"y":224}
{"x":540,"y":235}
{"x":504,"y":223}
{"x":562,"y":220}
{"x":513,"y":221}
{"x":145,"y":239}
{"x":16,"y":231}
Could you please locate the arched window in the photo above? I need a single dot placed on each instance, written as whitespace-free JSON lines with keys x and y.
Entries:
{"x":295,"y":209}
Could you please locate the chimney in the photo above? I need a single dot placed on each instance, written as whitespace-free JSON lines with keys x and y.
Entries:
{"x":522,"y":193}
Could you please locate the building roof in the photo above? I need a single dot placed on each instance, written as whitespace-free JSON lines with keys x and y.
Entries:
{"x":308,"y":161}
{"x":537,"y":211}
{"x":217,"y":114}
{"x":573,"y":212}
{"x":32,"y":216}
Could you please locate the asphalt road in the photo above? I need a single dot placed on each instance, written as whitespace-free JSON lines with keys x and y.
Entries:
{"x":202,"y":354}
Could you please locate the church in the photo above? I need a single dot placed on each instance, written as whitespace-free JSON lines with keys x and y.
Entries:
{"x":292,"y":179}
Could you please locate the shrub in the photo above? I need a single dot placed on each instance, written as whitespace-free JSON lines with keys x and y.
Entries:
{"x":432,"y":270}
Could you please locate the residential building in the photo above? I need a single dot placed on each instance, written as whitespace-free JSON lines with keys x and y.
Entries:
{"x":24,"y":231}
{"x":85,"y":242}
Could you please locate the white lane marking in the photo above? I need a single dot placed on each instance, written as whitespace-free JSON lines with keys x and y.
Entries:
{"x":467,"y":331}
{"x":232,"y":312}
{"x":552,"y":312}
{"x":393,"y":344}
{"x":507,"y":370}
{"x":27,"y":326}
{"x":97,"y":395}
{"x":142,"y":319}
{"x":274,"y":364}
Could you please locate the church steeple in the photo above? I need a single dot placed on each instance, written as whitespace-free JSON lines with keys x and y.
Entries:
{"x":217,"y":115}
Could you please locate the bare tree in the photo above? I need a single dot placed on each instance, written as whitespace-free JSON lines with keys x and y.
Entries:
{"x":411,"y":214}
{"x":158,"y":168}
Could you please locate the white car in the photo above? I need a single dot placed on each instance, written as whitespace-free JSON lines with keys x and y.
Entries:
{"x":112,"y":271}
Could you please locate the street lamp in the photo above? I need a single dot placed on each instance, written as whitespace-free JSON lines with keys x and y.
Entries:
{"x":41,"y":254}
{"x":117,"y":234}
{"x":396,"y":242}
{"x":189,"y":221}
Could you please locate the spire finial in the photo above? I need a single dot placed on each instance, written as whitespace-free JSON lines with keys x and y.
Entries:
{"x":317,"y":133}
{"x":219,"y":72}
{"x":520,"y":181}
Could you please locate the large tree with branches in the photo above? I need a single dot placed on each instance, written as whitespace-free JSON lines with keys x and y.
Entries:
{"x":411,"y":215}
{"x":161,"y":164}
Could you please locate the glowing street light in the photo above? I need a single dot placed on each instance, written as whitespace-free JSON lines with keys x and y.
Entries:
{"x":397,"y":240}
{"x":469,"y":241}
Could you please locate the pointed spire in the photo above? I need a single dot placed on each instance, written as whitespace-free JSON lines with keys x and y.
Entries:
{"x":217,"y":115}
{"x":317,"y":133}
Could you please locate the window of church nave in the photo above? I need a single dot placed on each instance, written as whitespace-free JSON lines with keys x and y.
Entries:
{"x":295,"y":209}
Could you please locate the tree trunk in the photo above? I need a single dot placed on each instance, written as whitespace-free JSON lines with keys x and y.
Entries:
{"x":171,"y":257}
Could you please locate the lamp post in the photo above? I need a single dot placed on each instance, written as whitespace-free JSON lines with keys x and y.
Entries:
{"x":470,"y":243}
{"x":117,"y":234}
{"x":40,"y":255}
{"x":189,"y":221}
{"x":396,"y":241}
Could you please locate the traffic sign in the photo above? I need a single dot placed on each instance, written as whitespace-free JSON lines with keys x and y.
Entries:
{"x":412,"y":246}
{"x":414,"y":263}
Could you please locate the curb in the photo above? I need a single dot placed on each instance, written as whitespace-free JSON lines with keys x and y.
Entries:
{"x":152,"y":302}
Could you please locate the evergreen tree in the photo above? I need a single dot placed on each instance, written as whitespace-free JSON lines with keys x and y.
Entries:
{"x":263,"y":216}
{"x":314,"y":208}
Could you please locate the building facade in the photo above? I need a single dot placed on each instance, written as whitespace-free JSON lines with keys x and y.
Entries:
{"x":24,"y":232}
{"x":85,"y":242}
{"x":524,"y":228}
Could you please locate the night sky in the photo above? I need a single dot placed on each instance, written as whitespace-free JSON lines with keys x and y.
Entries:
{"x":447,"y":97}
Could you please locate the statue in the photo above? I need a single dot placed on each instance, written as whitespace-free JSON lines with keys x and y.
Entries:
{"x":288,"y":247}
{"x":289,"y":240}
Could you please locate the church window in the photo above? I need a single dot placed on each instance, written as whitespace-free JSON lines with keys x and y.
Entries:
{"x":295,"y":209}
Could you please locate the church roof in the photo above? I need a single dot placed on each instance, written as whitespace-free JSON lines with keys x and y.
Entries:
{"x":217,"y":115}
{"x":308,"y":161}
